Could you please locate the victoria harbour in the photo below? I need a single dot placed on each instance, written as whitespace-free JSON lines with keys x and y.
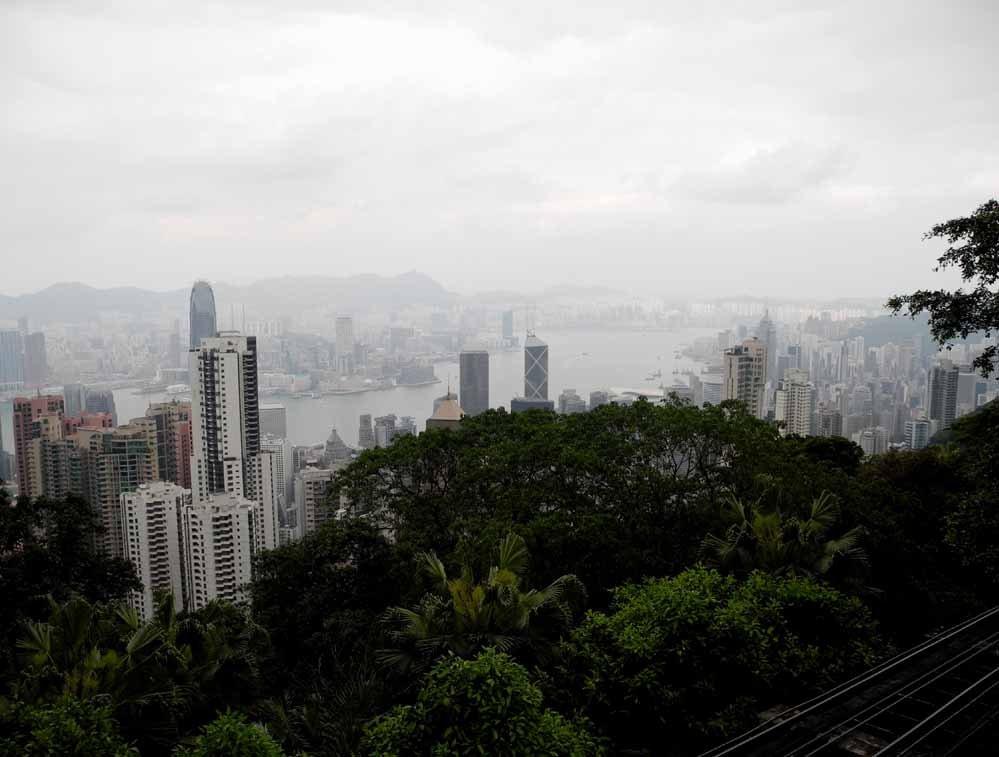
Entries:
{"x":585,"y":360}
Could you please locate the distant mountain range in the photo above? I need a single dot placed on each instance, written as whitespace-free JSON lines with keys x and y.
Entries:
{"x":74,"y":302}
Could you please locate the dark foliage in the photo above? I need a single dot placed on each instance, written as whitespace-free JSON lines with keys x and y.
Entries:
{"x":974,"y":250}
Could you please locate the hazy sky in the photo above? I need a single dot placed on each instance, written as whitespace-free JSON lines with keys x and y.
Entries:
{"x":763,"y":147}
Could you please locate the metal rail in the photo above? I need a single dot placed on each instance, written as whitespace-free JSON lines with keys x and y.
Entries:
{"x":906,"y":688}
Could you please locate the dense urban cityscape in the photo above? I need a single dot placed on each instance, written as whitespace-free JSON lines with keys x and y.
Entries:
{"x":566,"y":379}
{"x":191,"y":489}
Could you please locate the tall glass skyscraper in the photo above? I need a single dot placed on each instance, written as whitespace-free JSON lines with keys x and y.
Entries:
{"x":535,"y":368}
{"x":202,"y":313}
{"x":473,"y":372}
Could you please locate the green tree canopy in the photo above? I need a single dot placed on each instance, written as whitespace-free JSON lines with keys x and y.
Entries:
{"x":46,"y":548}
{"x":682,"y":661}
{"x":486,"y":705}
{"x":67,"y":726}
{"x":461,"y":616}
{"x":761,"y":537}
{"x":974,"y":250}
{"x":230,"y":734}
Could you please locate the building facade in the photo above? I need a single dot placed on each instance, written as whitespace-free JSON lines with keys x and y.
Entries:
{"x":745,"y":375}
{"x":473,"y":370}
{"x":535,"y":368}
{"x":202,"y":313}
{"x":152,"y":518}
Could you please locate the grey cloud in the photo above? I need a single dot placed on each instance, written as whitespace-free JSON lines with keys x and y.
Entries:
{"x":345,"y":137}
{"x":775,"y":175}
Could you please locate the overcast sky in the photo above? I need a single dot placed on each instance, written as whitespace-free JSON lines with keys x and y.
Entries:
{"x":766,"y":147}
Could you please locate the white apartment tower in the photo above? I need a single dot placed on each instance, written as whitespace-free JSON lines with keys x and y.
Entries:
{"x":311,"y":487}
{"x":220,"y":543}
{"x":151,"y":518}
{"x":745,"y":375}
{"x":795,"y":403}
{"x":234,"y":511}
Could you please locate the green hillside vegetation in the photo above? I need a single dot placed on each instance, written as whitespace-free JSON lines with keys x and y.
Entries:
{"x":623,"y":579}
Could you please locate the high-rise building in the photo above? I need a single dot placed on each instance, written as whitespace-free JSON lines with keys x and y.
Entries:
{"x":745,"y":375}
{"x":365,"y":433}
{"x":873,"y":440}
{"x":114,"y":461}
{"x":36,"y":419}
{"x":75,"y":396}
{"x":173,"y":347}
{"x":535,"y":368}
{"x":274,"y":420}
{"x":473,"y":369}
{"x":36,"y":367}
{"x":101,"y":401}
{"x":345,"y":345}
{"x":152,"y":519}
{"x":172,"y":424}
{"x":942,"y":390}
{"x":507,"y":324}
{"x":795,"y":404}
{"x":385,"y":430}
{"x":917,"y":433}
{"x":828,"y":421}
{"x":570,"y":402}
{"x":225,"y":413}
{"x":767,"y":333}
{"x":219,"y":544}
{"x":281,"y":451}
{"x":11,"y":359}
{"x":225,"y":439}
{"x":311,"y":493}
{"x":598,"y":398}
{"x":202,"y":313}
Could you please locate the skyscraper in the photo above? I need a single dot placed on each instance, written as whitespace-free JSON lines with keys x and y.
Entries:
{"x":218,"y":549}
{"x":569,"y":402}
{"x":152,"y":518}
{"x":172,"y":424}
{"x":115,"y":461}
{"x":745,"y":375}
{"x":767,"y":333}
{"x":917,"y":433}
{"x":365,"y":433}
{"x":100,"y":401}
{"x":942,"y":400}
{"x":274,"y":420}
{"x":202,"y":313}
{"x":36,"y":367}
{"x":29,"y":432}
{"x":795,"y":403}
{"x":507,"y":324}
{"x":345,"y":345}
{"x":473,"y":370}
{"x":225,"y":439}
{"x":311,"y":489}
{"x":173,"y":346}
{"x":75,"y":397}
{"x":535,"y":368}
{"x":11,"y":359}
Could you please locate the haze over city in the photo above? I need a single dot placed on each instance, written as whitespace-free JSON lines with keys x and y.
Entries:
{"x":736,"y":148}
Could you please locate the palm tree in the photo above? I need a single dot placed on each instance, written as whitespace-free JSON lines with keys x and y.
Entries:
{"x":761,"y":537}
{"x":462,"y":616}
